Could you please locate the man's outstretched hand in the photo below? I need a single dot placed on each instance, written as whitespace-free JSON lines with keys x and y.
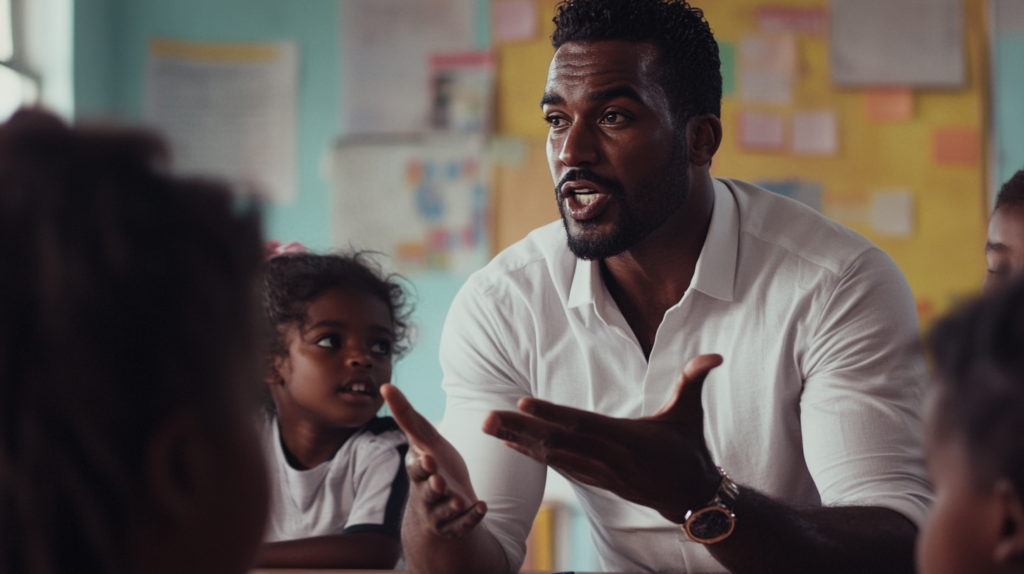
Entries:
{"x":441,"y":496}
{"x":661,"y":461}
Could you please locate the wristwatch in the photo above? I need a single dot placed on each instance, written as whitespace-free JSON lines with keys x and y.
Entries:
{"x":714,"y":521}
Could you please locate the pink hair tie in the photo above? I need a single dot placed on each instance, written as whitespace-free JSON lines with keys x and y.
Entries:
{"x":273,"y":248}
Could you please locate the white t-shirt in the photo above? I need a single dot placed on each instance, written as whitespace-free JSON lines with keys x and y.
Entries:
{"x":362,"y":489}
{"x":818,"y":402}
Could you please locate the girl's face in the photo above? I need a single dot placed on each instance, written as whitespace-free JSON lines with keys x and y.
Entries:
{"x":966,"y":521}
{"x":337,"y":361}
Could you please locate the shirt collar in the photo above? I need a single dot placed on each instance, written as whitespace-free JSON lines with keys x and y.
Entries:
{"x":716,"y":268}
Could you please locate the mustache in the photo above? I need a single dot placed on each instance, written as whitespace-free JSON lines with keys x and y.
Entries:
{"x":584,"y":174}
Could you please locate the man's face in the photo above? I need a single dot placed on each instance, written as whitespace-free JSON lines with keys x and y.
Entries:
{"x":619,"y":162}
{"x":1005,"y":247}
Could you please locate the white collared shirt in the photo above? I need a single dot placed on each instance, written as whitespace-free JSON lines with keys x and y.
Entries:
{"x":817,"y":403}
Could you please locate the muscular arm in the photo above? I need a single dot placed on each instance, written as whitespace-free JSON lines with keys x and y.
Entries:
{"x":368,"y":550}
{"x":773,"y":537}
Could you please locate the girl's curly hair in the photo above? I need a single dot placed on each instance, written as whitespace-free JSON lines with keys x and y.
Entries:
{"x":293,"y":280}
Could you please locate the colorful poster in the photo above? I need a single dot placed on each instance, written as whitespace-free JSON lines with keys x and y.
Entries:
{"x":423,"y":204}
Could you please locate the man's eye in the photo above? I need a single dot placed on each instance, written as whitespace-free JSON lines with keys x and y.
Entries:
{"x":328,"y":342}
{"x":613,"y":118}
{"x":381,"y":348}
{"x":554,"y":121}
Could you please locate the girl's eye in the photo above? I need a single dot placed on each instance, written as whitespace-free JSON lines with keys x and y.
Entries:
{"x":328,"y":342}
{"x":381,"y":348}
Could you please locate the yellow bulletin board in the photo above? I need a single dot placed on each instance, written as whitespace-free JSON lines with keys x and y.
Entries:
{"x":934,"y":154}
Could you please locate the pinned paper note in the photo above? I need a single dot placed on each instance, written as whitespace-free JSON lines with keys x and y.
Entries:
{"x":810,"y":20}
{"x":514,"y":20}
{"x":892,"y":213}
{"x":850,"y":210}
{"x":806,"y":192}
{"x":815,"y":133}
{"x":884,"y":105}
{"x":762,"y":132}
{"x":768,"y":66}
{"x":956,"y":146}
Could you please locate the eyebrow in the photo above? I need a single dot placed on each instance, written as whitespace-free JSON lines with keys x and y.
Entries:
{"x":340,"y":325}
{"x":995,"y":247}
{"x":601,"y":96}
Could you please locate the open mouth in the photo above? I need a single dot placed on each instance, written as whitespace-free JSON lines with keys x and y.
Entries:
{"x":359,"y":388}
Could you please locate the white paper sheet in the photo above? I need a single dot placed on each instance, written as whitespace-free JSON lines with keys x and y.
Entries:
{"x":916,"y":43}
{"x":386,"y":59}
{"x":892,"y":213}
{"x":514,"y":20}
{"x":228,"y":110}
{"x":768,"y":65}
{"x":815,"y":133}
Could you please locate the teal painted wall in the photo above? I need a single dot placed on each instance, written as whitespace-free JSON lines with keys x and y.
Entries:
{"x":1009,"y":113}
{"x":111,"y":38}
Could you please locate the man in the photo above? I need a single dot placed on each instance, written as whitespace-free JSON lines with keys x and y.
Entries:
{"x":1004,"y":249}
{"x":814,"y":413}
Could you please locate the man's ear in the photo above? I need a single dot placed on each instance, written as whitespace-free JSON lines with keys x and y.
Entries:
{"x":704,"y":136}
{"x":178,"y":468}
{"x":1009,"y":550}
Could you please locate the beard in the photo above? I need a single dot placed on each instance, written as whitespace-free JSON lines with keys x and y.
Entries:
{"x":641,"y":210}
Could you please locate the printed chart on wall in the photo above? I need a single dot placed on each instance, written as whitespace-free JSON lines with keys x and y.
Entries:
{"x":228,"y":110}
{"x":422,"y":203}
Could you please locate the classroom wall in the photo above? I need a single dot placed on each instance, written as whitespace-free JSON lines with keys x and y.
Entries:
{"x":943,"y":259}
{"x":1008,"y":85}
{"x":111,"y":38}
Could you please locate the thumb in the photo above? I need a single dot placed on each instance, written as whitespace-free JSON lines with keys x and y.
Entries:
{"x":418,"y":429}
{"x":685,"y":400}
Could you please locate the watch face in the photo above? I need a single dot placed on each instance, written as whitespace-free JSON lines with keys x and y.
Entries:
{"x":710,"y":524}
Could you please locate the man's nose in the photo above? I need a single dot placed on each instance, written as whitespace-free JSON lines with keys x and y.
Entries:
{"x":579,"y":146}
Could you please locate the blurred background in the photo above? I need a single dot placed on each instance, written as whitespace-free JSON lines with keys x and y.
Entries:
{"x":412,"y":127}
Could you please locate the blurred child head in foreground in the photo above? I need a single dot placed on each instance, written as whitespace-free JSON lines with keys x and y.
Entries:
{"x":127,"y":342}
{"x":975,"y":439}
{"x":1004,"y":248}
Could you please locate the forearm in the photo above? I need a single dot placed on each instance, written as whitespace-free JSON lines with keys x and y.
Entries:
{"x":773,"y":537}
{"x":363,"y":550}
{"x":428,"y":553}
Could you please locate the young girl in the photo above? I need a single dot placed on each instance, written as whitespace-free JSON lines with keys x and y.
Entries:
{"x":975,"y":440}
{"x":337,"y":470}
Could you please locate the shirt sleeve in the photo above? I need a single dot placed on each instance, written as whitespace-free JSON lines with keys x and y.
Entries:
{"x":860,"y":409}
{"x":484,"y":367}
{"x":381,"y":489}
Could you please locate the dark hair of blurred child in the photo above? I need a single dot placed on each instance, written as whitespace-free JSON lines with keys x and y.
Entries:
{"x":975,"y":440}
{"x":1004,"y":248}
{"x":127,"y":317}
{"x":337,"y":470}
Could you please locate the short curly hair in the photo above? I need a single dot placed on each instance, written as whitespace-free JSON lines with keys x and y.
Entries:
{"x":1012,"y":192}
{"x":980,"y":373}
{"x":691,"y":67}
{"x":292,"y":281}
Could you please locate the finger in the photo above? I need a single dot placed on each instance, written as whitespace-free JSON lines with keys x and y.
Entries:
{"x":460,"y":525}
{"x":418,"y":429}
{"x":575,"y":420}
{"x":579,"y":468}
{"x":540,"y":439}
{"x":419,"y":466}
{"x":685,"y":402}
